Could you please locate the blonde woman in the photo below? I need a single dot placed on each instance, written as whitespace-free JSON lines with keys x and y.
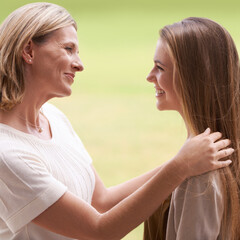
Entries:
{"x":196,"y":72}
{"x":48,"y":186}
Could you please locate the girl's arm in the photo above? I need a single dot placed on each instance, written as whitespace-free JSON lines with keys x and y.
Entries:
{"x":72,"y":217}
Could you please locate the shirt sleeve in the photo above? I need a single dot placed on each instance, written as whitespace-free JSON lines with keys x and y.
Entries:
{"x":196,"y":209}
{"x":26,"y":188}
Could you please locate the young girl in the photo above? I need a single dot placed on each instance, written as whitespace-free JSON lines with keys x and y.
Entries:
{"x":196,"y":72}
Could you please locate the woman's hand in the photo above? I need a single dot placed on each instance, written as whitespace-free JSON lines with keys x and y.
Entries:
{"x":199,"y":154}
{"x":202,"y":153}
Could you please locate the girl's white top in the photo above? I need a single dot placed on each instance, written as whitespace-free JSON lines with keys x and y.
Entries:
{"x":35,"y":173}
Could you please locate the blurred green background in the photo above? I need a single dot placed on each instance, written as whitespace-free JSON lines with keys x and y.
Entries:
{"x":112,"y":106}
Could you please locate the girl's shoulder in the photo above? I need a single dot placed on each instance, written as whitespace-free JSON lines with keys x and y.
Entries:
{"x":205,"y":185}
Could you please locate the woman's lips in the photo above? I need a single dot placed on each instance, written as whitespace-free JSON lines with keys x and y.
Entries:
{"x":70,"y":75}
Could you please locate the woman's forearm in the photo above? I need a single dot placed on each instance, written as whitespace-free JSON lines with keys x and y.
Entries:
{"x":194,"y":156}
{"x":190,"y":160}
{"x":133,"y":210}
{"x":106,"y":198}
{"x":72,"y":217}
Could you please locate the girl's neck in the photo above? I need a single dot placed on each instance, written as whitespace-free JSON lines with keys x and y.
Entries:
{"x":190,"y":134}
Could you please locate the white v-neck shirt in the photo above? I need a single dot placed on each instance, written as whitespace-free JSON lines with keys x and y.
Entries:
{"x":35,"y":173}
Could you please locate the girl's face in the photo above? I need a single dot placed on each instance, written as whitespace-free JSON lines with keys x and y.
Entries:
{"x":162,"y":77}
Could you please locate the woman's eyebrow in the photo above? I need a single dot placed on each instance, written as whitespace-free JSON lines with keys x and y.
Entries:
{"x":70,"y":43}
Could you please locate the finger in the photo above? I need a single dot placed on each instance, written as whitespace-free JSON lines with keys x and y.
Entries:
{"x":222,"y":164}
{"x":215,"y":136}
{"x":207,"y":132}
{"x":224,"y":153}
{"x":222,"y":144}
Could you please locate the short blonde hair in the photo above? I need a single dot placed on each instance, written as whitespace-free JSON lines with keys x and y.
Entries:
{"x":32,"y":21}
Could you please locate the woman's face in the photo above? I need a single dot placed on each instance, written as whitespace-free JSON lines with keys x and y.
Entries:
{"x":55,"y":62}
{"x":162,"y":77}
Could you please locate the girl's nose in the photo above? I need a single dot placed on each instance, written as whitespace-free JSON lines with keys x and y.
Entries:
{"x":150,"y":77}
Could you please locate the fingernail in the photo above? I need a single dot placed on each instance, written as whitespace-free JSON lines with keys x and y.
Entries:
{"x":207,"y":130}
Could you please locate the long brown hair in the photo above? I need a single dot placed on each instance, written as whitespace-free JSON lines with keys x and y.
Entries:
{"x":207,"y":80}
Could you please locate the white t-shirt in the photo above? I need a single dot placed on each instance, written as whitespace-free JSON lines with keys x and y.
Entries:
{"x":196,"y":209}
{"x":35,"y":173}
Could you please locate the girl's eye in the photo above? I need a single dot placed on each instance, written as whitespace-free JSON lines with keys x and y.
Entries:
{"x":160,"y":68}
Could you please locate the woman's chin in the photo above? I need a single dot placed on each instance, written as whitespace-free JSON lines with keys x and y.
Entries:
{"x":65,"y":93}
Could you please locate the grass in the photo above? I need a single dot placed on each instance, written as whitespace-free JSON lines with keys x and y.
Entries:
{"x":112,"y":107}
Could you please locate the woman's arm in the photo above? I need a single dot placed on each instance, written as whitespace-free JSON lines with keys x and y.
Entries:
{"x":72,"y":217}
{"x":105,"y":198}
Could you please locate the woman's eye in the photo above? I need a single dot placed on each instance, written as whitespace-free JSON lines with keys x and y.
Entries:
{"x":69,"y":49}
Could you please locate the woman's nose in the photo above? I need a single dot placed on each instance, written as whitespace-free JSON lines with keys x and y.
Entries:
{"x":77,"y":64}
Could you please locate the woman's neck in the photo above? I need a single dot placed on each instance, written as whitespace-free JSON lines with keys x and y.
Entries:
{"x":27,"y":110}
{"x":27,"y":117}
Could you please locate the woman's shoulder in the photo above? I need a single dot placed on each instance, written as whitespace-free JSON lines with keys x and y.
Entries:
{"x":10,"y":138}
{"x":52,"y":112}
{"x":59,"y":121}
{"x":49,"y":108}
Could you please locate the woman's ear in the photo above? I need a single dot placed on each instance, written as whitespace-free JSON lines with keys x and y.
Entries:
{"x":27,"y":52}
